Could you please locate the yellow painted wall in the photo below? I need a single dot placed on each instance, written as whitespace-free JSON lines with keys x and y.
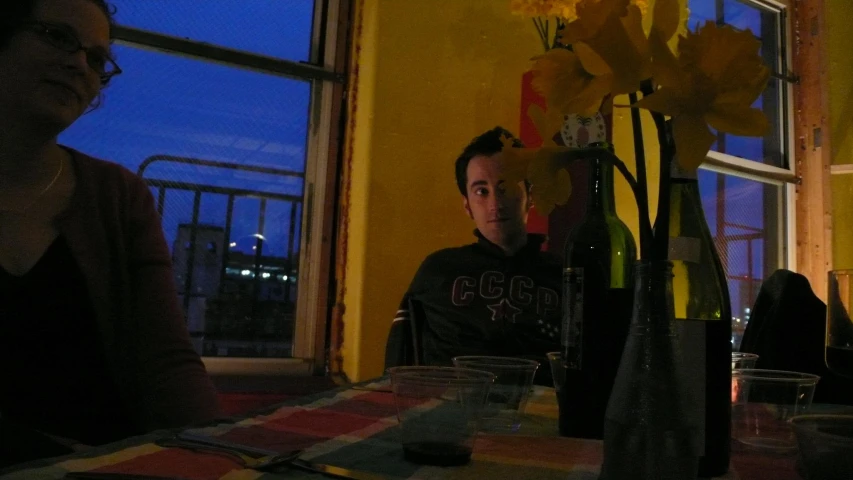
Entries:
{"x":840,"y":78}
{"x":432,"y":74}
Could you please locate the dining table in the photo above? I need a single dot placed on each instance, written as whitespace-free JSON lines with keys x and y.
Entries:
{"x":355,"y":427}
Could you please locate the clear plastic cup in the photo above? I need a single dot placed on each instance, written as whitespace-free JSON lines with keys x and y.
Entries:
{"x":762,"y":403}
{"x":743,"y":360}
{"x":558,"y":370}
{"x":509,"y":394}
{"x":826,"y":445}
{"x":439,"y":409}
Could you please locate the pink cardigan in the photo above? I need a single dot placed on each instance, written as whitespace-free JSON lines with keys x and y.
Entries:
{"x":115,"y":234}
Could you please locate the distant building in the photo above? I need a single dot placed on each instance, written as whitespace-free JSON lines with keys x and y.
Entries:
{"x":244,"y":309}
{"x":206,"y":257}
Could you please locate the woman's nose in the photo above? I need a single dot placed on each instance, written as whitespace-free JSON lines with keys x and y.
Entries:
{"x":78,"y":61}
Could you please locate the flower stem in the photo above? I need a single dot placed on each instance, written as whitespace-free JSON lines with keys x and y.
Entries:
{"x":540,"y":29}
{"x":667,"y":154}
{"x":642,"y":183}
{"x":558,"y":29}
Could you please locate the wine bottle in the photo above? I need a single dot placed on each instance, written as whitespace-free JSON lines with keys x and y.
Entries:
{"x":597,"y":299}
{"x":703,"y":320}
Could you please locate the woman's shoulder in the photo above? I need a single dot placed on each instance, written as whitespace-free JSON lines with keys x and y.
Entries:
{"x":105,"y":177}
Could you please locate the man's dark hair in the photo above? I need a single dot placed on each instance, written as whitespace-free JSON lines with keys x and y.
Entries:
{"x":487,"y":144}
{"x":15,"y":12}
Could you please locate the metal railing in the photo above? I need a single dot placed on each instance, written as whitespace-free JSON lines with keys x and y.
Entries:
{"x":231,"y":193}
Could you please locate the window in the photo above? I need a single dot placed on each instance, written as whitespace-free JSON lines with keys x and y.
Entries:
{"x":227,"y":113}
{"x":746,"y":182}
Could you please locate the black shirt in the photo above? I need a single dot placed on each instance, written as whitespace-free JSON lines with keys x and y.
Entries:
{"x":476,"y":300}
{"x":53,"y":372}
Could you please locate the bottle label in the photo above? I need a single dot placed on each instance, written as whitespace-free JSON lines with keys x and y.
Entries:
{"x":675,"y":171}
{"x":685,"y":249}
{"x":572,"y":338}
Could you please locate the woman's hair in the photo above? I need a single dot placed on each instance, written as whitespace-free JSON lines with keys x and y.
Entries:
{"x":15,"y":12}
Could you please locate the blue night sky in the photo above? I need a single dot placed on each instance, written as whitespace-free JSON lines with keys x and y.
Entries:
{"x":167,"y":104}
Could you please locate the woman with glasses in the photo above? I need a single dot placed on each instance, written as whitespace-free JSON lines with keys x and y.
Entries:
{"x":93,"y":344}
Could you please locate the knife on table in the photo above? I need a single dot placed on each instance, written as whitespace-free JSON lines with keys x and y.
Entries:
{"x":115,"y":476}
{"x":336,"y":472}
{"x":297,"y":463}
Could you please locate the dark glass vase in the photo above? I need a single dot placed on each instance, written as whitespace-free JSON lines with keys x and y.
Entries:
{"x":648,"y":434}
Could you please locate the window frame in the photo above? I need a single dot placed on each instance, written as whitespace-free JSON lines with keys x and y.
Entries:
{"x":784,"y":177}
{"x":326,"y":72}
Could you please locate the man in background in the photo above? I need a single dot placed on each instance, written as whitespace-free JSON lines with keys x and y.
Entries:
{"x":496,"y":296}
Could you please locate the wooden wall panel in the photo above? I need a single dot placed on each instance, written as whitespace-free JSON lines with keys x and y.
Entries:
{"x":812,"y":142}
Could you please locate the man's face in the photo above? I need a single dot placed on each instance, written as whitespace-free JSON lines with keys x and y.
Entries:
{"x":500,"y":217}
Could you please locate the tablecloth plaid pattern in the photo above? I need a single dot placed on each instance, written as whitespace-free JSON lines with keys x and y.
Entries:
{"x":357,"y":429}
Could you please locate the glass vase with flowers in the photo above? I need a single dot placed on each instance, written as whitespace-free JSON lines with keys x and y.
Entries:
{"x":691,"y":81}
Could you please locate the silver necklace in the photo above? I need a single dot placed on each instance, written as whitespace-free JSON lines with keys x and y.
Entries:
{"x":45,"y":189}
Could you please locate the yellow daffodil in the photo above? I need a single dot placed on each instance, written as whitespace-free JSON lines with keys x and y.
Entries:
{"x":610,"y":54}
{"x":544,"y":8}
{"x":565,"y":9}
{"x":591,"y":16}
{"x":670,"y":20}
{"x":550,"y":181}
{"x":559,"y":75}
{"x":620,"y":48}
{"x":714,"y":81}
{"x":543,"y":168}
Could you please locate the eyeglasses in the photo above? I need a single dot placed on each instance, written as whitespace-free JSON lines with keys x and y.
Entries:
{"x":66,"y":40}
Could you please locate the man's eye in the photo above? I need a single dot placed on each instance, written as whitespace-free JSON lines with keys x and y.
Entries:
{"x":481,"y":191}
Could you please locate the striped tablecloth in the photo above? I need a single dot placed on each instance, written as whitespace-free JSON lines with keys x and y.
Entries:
{"x":357,"y":429}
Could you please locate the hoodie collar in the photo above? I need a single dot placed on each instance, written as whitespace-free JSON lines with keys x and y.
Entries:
{"x":533,"y":245}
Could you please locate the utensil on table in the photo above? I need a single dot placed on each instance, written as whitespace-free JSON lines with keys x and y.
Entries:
{"x":248,"y":457}
{"x":264,"y":460}
{"x":116,"y":476}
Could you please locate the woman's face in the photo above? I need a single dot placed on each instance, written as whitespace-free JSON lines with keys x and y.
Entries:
{"x":42,"y":83}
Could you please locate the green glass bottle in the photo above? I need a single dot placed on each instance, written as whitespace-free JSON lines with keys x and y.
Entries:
{"x":703,"y":320}
{"x":597,"y":298}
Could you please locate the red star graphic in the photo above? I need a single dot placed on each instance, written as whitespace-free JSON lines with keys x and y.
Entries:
{"x":504,"y":310}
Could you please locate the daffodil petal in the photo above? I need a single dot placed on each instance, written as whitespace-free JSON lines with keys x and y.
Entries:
{"x":560,"y":77}
{"x":556,"y":193}
{"x":546,"y":123}
{"x":591,"y":61}
{"x":590,"y":98}
{"x":723,"y":54}
{"x":692,"y":141}
{"x":550,"y":182}
{"x":633,"y":24}
{"x":615,"y":46}
{"x":741,"y":93}
{"x":591,"y":15}
{"x":666,"y":16}
{"x":664,"y":101}
{"x":514,"y":165}
{"x":552,"y":69}
{"x":743,"y":121}
{"x":665,"y":67}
